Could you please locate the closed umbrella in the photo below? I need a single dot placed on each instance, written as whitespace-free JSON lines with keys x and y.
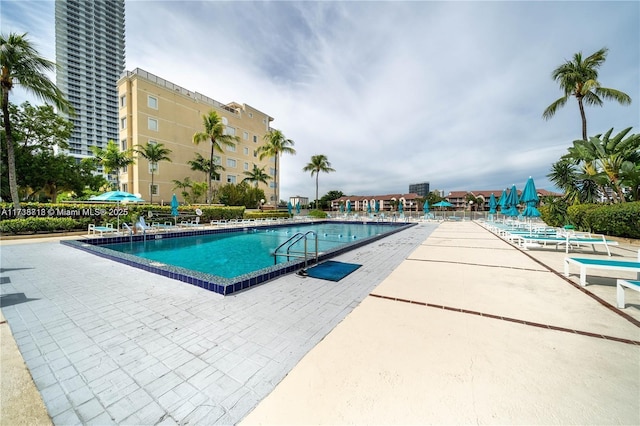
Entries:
{"x":503,"y":202}
{"x":512,"y":202}
{"x":289,"y":207}
{"x":377,"y":206}
{"x":425,"y":207}
{"x":174,"y":205}
{"x":400,"y":207}
{"x":298,"y":207}
{"x":492,"y":204}
{"x":530,"y":197}
{"x":348,"y":206}
{"x":369,"y":208}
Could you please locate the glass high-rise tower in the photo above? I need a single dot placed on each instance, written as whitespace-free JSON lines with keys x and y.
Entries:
{"x":90,"y":45}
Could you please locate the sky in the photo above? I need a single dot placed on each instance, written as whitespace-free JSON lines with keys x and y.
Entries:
{"x":393,"y":93}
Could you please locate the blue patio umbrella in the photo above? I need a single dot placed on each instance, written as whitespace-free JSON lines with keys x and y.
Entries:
{"x":503,"y":202}
{"x":298,"y":207}
{"x":425,"y":207}
{"x":369,"y":208}
{"x":117,"y":196}
{"x":174,"y":206}
{"x":348,"y":206}
{"x":341,"y":208}
{"x":443,"y":203}
{"x":530,"y":197}
{"x":512,"y":202}
{"x":377,"y":206}
{"x":400,"y":207}
{"x":492,"y":204}
{"x":289,"y":207}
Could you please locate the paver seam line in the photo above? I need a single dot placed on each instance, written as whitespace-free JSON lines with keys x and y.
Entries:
{"x":477,"y":264}
{"x":509,"y":319}
{"x":575,"y":285}
{"x":464,"y":247}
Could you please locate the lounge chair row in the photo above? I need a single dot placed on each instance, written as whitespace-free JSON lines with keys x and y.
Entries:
{"x":531,"y":235}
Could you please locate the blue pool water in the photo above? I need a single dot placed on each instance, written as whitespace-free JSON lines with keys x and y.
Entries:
{"x":229,"y":255}
{"x":226,"y":261}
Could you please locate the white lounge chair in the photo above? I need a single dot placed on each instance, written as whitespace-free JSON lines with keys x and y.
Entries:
{"x":107,"y":229}
{"x":621,"y":286}
{"x":591,"y":263}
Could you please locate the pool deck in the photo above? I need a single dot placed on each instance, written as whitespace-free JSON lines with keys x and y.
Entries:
{"x":444,"y":323}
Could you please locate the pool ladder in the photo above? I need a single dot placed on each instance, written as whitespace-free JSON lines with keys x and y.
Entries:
{"x":297,"y":254}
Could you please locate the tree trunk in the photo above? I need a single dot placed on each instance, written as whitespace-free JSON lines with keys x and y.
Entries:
{"x":209,"y":188}
{"x":11,"y":155}
{"x":151,"y":191}
{"x":317,"y":175}
{"x":584,"y":119}
{"x":275,"y":182}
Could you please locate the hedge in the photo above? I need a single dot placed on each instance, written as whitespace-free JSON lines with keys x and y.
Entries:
{"x":619,"y":220}
{"x":40,"y":217}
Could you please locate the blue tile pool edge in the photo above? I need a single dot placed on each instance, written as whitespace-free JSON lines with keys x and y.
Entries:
{"x":217,"y":284}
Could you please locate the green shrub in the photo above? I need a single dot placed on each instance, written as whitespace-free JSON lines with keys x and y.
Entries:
{"x":266,"y":214}
{"x":621,"y":220}
{"x":33,"y":225}
{"x":319,"y":214}
{"x":577,"y":215}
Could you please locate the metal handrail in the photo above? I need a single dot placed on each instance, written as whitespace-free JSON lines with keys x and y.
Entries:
{"x":293,"y":240}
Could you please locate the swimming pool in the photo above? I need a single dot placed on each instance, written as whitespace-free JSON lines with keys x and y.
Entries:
{"x":229,"y":260}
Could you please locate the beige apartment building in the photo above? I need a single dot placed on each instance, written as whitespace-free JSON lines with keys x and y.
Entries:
{"x":153,"y":110}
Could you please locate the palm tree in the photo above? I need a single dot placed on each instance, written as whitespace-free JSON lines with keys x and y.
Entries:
{"x":214,"y":131}
{"x":257,"y":175}
{"x":112,"y":159}
{"x":201,"y":164}
{"x":579,"y":78}
{"x":319,"y":163}
{"x":22,"y":65}
{"x":183,"y":186}
{"x":154,"y":153}
{"x":577,"y":187}
{"x":275,"y":145}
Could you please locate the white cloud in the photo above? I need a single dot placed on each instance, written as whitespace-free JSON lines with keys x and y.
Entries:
{"x":392,"y":92}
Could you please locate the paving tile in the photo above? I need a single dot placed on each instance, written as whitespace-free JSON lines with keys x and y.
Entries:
{"x":90,"y":410}
{"x":145,"y":342}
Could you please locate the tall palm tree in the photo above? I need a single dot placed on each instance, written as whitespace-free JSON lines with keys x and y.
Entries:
{"x":275,"y":145}
{"x":154,"y":153}
{"x":214,"y":131}
{"x":319,"y":163}
{"x":112,"y":159}
{"x":257,"y":175}
{"x":22,"y":65}
{"x":579,"y":78}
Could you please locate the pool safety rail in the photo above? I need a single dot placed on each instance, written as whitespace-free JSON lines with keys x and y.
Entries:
{"x":296,"y":238}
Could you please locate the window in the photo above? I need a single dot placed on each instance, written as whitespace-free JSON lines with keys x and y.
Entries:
{"x":245,"y":136}
{"x":153,"y":189}
{"x":123,"y":144}
{"x":231,"y":131}
{"x":153,"y":124}
{"x":123,"y":123}
{"x":124,"y":187}
{"x":246,"y":166}
{"x":272,"y":171}
{"x":153,"y":167}
{"x":231,"y":179}
{"x":231,"y":148}
{"x":152,"y":102}
{"x":255,"y":139}
{"x":231,"y":162}
{"x":245,"y":150}
{"x":250,"y":115}
{"x":123,"y":101}
{"x":151,"y":142}
{"x":255,"y":153}
{"x":217,"y":160}
{"x":215,"y":178}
